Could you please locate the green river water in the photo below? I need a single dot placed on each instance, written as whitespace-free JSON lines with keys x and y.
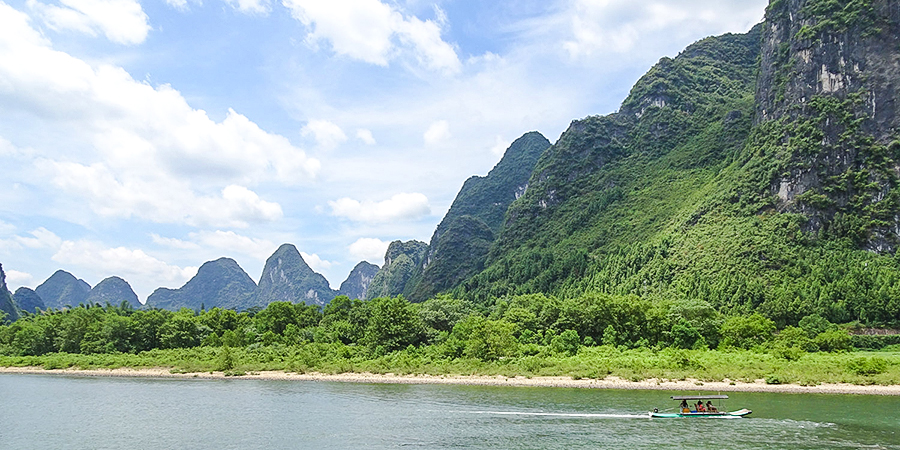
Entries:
{"x":56,"y":412}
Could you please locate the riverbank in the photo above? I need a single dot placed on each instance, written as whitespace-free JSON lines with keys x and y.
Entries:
{"x":563,"y":382}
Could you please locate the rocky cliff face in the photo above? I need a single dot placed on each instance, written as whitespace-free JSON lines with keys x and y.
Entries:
{"x":7,"y":305}
{"x":63,"y":289}
{"x":356,"y":286}
{"x":219,"y":283}
{"x":402,"y":262}
{"x":287,"y":278}
{"x":828,"y":116}
{"x":28,"y":300}
{"x":113,"y":290}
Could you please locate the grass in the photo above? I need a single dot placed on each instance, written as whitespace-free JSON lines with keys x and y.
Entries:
{"x":859,"y":368}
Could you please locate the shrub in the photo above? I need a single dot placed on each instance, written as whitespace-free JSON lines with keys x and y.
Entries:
{"x":835,"y":340}
{"x":867,"y":366}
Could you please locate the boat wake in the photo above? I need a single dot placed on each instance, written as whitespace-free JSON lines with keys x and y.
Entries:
{"x":548,"y":414}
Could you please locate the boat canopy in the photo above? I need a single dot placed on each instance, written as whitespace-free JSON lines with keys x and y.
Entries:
{"x":699,"y":397}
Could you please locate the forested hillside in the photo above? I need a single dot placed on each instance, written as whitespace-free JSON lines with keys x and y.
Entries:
{"x":769,"y":190}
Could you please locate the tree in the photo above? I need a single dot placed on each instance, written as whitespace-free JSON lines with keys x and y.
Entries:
{"x":182,"y":330}
{"x":393,"y":324}
{"x":567,"y":343}
{"x":487,"y":340}
{"x":747,"y":331}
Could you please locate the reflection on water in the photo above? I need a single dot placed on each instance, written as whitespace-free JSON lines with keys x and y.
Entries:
{"x":62,"y":412}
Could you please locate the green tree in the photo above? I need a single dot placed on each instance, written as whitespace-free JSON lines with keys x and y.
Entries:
{"x":484,"y":339}
{"x":182,"y":330}
{"x":393,"y":324}
{"x":685,"y":336}
{"x":566,"y":343}
{"x":747,"y":331}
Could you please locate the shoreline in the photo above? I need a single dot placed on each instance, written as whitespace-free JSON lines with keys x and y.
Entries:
{"x":475,"y":380}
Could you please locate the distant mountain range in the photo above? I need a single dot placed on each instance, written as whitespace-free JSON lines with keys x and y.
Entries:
{"x":62,"y":289}
{"x":219,"y":283}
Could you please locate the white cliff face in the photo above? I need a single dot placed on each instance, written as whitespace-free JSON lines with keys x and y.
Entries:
{"x":830,"y":82}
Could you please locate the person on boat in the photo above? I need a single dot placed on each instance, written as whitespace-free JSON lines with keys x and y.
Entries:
{"x":684,"y":407}
{"x":710,"y":407}
{"x":700,"y":407}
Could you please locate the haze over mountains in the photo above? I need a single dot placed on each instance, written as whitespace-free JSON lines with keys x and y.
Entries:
{"x":752,"y":172}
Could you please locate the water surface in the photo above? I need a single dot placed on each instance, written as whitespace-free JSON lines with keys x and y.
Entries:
{"x":39,"y":411}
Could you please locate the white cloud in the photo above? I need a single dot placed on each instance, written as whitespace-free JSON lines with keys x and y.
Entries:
{"x":233,"y":242}
{"x":399,"y":207}
{"x":437,"y":132}
{"x":121,"y":261}
{"x":180,"y":5}
{"x":173,"y":242}
{"x":365,"y":136}
{"x":39,"y":238}
{"x":315,"y":262}
{"x":606,"y":26}
{"x":220,"y":241}
{"x":369,"y":249}
{"x":6,"y":228}
{"x":431,"y":51}
{"x":15,"y":279}
{"x":500,"y":146}
{"x":164,"y":200}
{"x":374,"y":32}
{"x":95,"y":257}
{"x":121,"y":21}
{"x":326,"y":134}
{"x":134,"y":150}
{"x":260,"y":7}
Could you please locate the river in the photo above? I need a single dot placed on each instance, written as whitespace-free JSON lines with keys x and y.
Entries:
{"x":59,"y":412}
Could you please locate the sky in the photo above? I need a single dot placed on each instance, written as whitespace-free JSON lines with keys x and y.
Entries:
{"x":140,"y":139}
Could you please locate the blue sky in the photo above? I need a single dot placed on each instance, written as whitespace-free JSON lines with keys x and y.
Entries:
{"x":141,"y":139}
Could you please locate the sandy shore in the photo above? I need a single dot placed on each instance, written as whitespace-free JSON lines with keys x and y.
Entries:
{"x":564,"y":382}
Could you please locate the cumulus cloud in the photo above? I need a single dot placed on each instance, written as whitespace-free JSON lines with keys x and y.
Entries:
{"x":40,"y":238}
{"x":399,"y":207}
{"x":259,"y":7}
{"x":233,"y":242}
{"x":365,"y":136}
{"x":374,"y":32}
{"x":437,"y":132}
{"x":327,"y":134}
{"x":95,"y":257}
{"x":369,"y":249}
{"x":165,"y":200}
{"x":15,"y":279}
{"x":500,"y":146}
{"x":121,"y":261}
{"x":173,"y":242}
{"x":219,"y":240}
{"x":136,"y":150}
{"x":315,"y":262}
{"x":121,"y":21}
{"x":601,"y":26}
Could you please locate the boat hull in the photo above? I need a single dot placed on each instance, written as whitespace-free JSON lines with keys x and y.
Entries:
{"x":703,"y":415}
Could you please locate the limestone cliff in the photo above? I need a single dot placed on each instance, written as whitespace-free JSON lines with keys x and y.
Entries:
{"x":828,"y":116}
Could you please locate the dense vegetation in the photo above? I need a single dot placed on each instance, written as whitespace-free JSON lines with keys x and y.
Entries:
{"x":718,"y":226}
{"x":672,"y":199}
{"x":589,"y":336}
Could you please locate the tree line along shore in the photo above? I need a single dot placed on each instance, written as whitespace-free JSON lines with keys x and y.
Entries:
{"x":589,"y":337}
